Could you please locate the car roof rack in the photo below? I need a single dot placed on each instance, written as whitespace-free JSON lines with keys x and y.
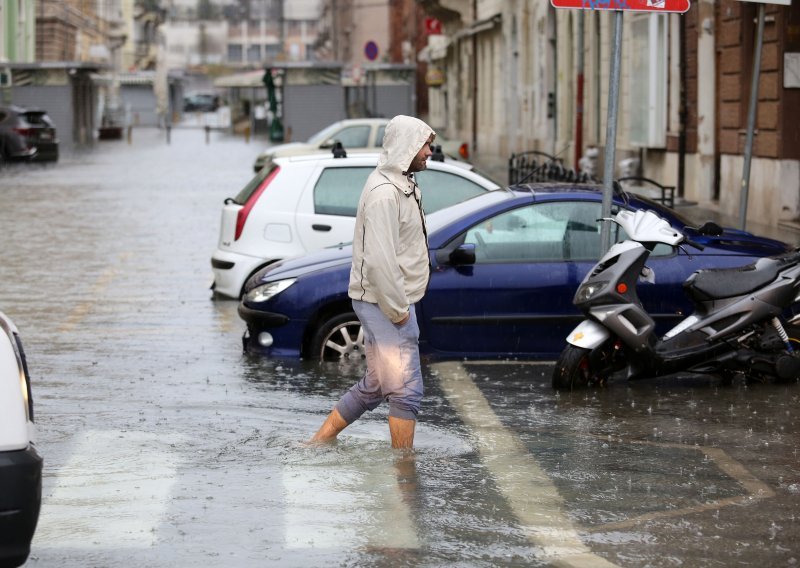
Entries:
{"x":338,"y":150}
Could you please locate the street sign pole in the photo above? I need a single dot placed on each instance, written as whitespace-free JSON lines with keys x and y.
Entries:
{"x":751,"y":120}
{"x":611,"y":133}
{"x":618,"y":6}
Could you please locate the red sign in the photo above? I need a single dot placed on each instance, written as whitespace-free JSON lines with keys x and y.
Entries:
{"x":633,"y":5}
{"x":433,"y":26}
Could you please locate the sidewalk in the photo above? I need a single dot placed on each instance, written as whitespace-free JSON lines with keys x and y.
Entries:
{"x":496,"y":167}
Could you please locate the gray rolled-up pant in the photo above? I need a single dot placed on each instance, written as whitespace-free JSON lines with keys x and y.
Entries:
{"x":393,"y":368}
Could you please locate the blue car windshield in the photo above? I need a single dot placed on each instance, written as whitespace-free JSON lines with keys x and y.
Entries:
{"x":443,"y":217}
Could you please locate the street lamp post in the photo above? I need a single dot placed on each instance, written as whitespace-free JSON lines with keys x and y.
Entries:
{"x":111,"y":127}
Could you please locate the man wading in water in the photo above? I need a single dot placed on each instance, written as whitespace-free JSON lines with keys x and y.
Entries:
{"x":388,"y":276}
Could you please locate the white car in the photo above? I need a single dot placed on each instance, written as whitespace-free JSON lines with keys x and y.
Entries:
{"x":20,"y":464}
{"x":304,"y":203}
{"x":355,"y":134}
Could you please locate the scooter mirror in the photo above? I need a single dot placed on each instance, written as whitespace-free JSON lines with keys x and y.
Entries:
{"x":710,"y":228}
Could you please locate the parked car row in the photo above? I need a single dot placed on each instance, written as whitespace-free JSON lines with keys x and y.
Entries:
{"x":355,"y":134}
{"x":27,"y":135}
{"x":201,"y":102}
{"x":505,"y":263}
{"x":304,"y":203}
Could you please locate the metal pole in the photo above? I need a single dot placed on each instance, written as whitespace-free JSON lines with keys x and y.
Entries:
{"x":611,"y":131}
{"x":579,"y":95}
{"x":751,"y":119}
{"x":683,"y":111}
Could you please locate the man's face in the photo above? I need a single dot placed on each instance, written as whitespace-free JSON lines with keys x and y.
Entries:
{"x":420,"y":161}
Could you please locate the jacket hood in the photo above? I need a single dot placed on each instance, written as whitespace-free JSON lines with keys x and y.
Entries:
{"x":404,"y":137}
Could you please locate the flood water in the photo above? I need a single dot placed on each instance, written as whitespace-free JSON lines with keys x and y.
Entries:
{"x":165,"y":446}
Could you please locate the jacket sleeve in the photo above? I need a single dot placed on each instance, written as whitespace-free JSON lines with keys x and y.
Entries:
{"x":381,"y":235}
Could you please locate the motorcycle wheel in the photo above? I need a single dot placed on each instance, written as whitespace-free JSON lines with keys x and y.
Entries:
{"x":572,"y":370}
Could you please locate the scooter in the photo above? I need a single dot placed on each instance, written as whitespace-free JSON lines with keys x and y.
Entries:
{"x":736,"y":326}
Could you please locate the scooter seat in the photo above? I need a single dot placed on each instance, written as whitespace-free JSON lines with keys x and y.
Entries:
{"x":716,"y":283}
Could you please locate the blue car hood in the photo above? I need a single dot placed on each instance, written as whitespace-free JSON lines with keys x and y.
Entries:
{"x":302,"y":265}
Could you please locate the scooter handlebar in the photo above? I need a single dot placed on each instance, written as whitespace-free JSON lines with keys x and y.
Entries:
{"x":693,"y":244}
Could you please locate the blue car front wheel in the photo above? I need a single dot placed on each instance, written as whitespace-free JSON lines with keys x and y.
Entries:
{"x":339,"y":338}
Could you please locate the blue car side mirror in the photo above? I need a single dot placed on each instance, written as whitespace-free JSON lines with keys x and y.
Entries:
{"x":464,"y":254}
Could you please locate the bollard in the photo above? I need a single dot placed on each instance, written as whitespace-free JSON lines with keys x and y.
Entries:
{"x":169,"y":130}
{"x":247,"y":134}
{"x":208,"y":133}
{"x":130,"y":133}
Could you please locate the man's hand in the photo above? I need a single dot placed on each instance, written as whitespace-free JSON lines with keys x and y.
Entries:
{"x":405,"y":319}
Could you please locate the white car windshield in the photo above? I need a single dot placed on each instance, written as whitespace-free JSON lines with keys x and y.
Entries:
{"x":324,"y":134}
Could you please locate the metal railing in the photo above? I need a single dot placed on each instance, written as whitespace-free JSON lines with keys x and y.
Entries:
{"x":534,"y":166}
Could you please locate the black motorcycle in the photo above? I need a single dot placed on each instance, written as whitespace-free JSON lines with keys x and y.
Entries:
{"x":737,"y":326}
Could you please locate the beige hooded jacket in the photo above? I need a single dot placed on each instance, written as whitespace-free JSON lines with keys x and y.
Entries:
{"x":390,"y":250}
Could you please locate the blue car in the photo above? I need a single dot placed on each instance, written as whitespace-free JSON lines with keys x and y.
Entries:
{"x":504,"y":268}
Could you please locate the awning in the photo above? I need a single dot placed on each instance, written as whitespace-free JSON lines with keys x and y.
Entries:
{"x":241,"y":80}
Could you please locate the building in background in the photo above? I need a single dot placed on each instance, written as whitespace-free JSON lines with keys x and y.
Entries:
{"x":239,"y":34}
{"x":60,"y":49}
{"x":504,"y":74}
{"x":374,"y":40}
{"x":17,"y":31}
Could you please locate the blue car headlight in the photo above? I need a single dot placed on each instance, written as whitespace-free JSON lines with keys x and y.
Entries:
{"x":589,"y":291}
{"x":266,"y":291}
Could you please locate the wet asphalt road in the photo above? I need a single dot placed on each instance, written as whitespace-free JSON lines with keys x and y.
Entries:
{"x":165,"y":446}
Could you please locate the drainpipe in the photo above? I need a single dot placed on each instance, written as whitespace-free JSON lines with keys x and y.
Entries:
{"x":682,"y":110}
{"x":751,"y":119}
{"x":475,"y":80}
{"x":579,"y":94}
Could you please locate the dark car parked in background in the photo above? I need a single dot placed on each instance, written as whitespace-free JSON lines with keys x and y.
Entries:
{"x":27,"y":135}
{"x":200,"y":102}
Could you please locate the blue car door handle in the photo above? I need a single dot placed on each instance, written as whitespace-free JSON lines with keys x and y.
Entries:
{"x":323,"y":228}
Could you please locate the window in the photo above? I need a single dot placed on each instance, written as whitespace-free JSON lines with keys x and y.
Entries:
{"x":247,"y":192}
{"x":235,"y":52}
{"x":648,"y":80}
{"x":253,"y":53}
{"x":338,"y":190}
{"x":545,"y":232}
{"x":379,"y":136}
{"x":271,"y":51}
{"x":535,"y":233}
{"x":442,"y":189}
{"x":353,"y":137}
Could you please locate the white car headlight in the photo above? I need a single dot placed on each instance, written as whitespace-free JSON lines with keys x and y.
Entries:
{"x":266,"y":291}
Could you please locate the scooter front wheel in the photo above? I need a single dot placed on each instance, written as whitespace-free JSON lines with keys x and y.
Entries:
{"x":573,"y":370}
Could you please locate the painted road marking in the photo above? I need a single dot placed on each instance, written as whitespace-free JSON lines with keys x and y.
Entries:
{"x":82,"y":309}
{"x":528,"y":490}
{"x":756,"y":489}
{"x":113,"y":491}
{"x":349,"y":504}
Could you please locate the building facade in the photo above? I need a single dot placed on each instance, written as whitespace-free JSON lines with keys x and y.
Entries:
{"x":505,"y":74}
{"x":17,"y":31}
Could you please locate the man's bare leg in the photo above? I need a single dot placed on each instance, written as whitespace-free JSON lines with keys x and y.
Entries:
{"x":333,"y":424}
{"x":402,"y":432}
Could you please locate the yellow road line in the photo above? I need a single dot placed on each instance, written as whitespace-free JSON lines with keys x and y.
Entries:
{"x":81,"y":310}
{"x":530,"y":493}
